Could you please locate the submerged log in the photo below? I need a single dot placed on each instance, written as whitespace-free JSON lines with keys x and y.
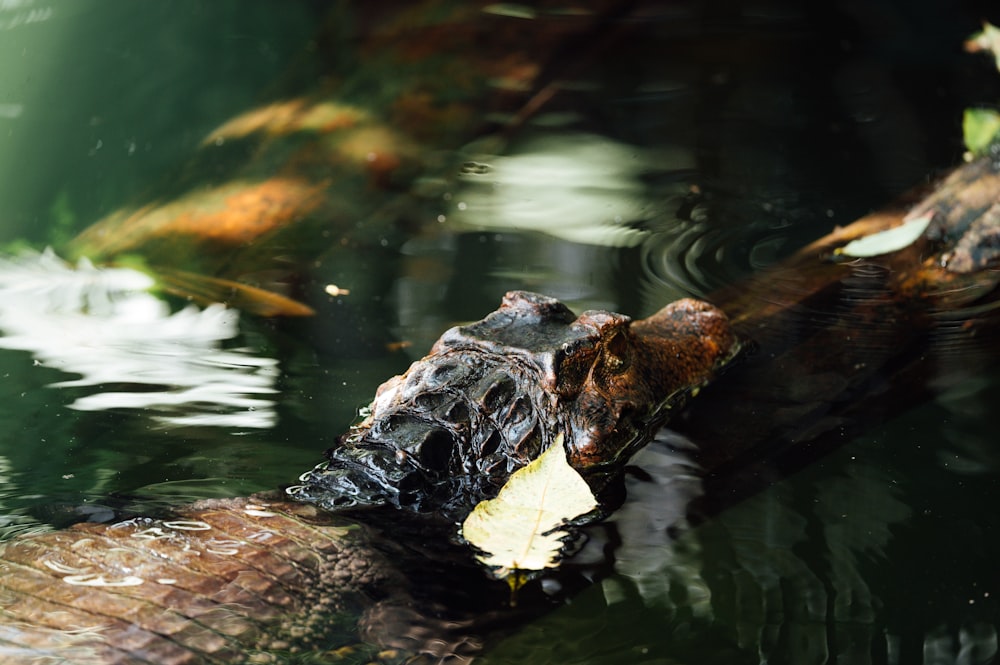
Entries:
{"x":846,"y":341}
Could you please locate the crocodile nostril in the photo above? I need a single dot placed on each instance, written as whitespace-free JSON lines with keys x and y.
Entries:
{"x":409,"y":489}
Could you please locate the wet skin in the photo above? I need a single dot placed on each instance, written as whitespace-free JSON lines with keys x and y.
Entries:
{"x":492,"y":395}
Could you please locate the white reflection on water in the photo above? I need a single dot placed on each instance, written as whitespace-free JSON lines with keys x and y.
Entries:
{"x":579,"y":187}
{"x":101,"y":324}
{"x":17,"y":13}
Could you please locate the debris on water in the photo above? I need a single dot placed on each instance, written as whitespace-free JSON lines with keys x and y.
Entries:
{"x":335,"y":291}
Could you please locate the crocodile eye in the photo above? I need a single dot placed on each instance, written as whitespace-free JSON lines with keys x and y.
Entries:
{"x":572,"y":369}
{"x":616,"y":356}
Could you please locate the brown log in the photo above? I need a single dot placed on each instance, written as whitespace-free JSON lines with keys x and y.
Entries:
{"x":844,"y":342}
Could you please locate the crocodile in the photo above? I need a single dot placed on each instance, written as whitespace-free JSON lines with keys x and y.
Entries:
{"x":240,"y":580}
{"x":493,"y":395}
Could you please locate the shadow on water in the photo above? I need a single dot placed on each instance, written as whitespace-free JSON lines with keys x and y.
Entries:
{"x":879,"y":553}
{"x":724,"y":136}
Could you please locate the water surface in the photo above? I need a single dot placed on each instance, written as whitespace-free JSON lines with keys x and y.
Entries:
{"x":719,"y":139}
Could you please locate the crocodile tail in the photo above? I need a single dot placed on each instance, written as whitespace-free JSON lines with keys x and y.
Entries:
{"x":217,"y":582}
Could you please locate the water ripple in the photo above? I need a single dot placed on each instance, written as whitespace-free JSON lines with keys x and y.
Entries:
{"x":696,"y":258}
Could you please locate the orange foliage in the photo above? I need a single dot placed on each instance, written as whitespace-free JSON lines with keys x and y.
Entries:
{"x":238,"y":213}
{"x":235,"y":214}
{"x":288,"y":117}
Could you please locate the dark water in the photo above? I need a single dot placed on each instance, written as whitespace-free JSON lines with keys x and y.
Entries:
{"x":724,"y":137}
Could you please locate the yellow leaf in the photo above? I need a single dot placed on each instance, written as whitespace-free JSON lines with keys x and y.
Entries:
{"x":522,"y":528}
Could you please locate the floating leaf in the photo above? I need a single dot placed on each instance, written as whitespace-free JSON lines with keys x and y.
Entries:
{"x":522,"y":528}
{"x":980,"y":128}
{"x":890,"y":240}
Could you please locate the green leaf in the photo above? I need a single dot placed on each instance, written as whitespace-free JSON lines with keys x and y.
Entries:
{"x":890,"y":240}
{"x":523,"y":528}
{"x":980,"y":128}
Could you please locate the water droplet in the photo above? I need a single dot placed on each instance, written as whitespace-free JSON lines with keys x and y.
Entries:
{"x":187,"y":525}
{"x":93,"y":579}
{"x":259,"y":513}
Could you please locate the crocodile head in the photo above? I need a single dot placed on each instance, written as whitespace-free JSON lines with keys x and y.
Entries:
{"x":492,"y":395}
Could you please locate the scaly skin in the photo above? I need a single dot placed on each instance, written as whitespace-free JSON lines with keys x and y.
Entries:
{"x":222,"y":581}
